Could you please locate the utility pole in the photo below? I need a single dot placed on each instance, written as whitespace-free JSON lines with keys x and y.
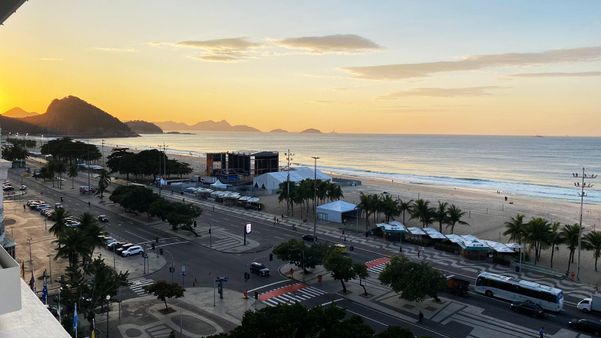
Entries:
{"x":289,"y":157}
{"x":102,"y":153}
{"x":315,"y":198}
{"x":582,"y":185}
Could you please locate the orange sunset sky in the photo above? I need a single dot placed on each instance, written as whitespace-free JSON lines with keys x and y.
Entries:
{"x":441,"y":67}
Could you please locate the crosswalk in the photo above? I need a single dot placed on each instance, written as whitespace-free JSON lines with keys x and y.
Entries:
{"x":137,"y":285}
{"x":290,"y":294}
{"x":226,"y":243}
{"x":377,"y":265}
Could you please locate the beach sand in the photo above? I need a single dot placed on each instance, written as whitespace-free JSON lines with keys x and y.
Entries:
{"x":487,"y":211}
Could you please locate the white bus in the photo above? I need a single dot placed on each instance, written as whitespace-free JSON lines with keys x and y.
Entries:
{"x":516,"y":290}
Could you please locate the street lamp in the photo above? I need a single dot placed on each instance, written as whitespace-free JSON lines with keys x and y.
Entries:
{"x":289,"y":157}
{"x":315,"y":197}
{"x":108,"y":298}
{"x":582,"y":184}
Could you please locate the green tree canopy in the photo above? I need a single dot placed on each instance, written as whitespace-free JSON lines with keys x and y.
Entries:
{"x":340,"y":266}
{"x":163,"y":290}
{"x":413,"y":281}
{"x":14,"y":153}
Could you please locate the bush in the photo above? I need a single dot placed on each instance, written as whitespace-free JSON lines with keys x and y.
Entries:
{"x":378,"y":232}
{"x":501,"y":260}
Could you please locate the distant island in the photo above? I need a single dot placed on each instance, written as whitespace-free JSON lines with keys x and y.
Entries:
{"x":279,"y":131}
{"x":209,"y":125}
{"x":178,"y":133}
{"x":143,"y":127}
{"x":311,"y":131}
{"x":69,"y":116}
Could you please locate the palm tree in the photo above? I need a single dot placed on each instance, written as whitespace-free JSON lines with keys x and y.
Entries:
{"x":555,"y":239}
{"x":592,"y":241}
{"x":104,"y":180}
{"x":515,"y":228}
{"x":59,"y":227}
{"x":389,"y":207}
{"x":422,"y":211}
{"x":91,"y":232}
{"x":334,"y":192}
{"x":537,"y":235}
{"x":283,"y":194}
{"x":440,"y":214}
{"x":73,"y":173}
{"x":570,"y":233}
{"x":454,"y":216}
{"x":366,"y":205}
{"x":59,"y":168}
{"x":405,"y":206}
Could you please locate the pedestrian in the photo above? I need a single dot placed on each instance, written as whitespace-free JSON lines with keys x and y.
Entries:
{"x":400,"y":248}
{"x":541,"y":332}
{"x":273,"y":219}
{"x":418,"y":252}
{"x":420,"y":316}
{"x":23,"y":207}
{"x":89,"y":203}
{"x":61,"y":199}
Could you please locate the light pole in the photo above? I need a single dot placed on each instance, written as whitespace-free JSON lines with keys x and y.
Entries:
{"x":29,"y":242}
{"x":315,"y":197}
{"x":582,"y":185}
{"x":108,"y":298}
{"x":289,"y":157}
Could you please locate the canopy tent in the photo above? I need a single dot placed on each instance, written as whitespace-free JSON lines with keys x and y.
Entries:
{"x":271,"y":181}
{"x":415,"y":231}
{"x":433,"y":233}
{"x":393,"y":227}
{"x":499,"y":247}
{"x":333,"y":211}
{"x":218,"y":185}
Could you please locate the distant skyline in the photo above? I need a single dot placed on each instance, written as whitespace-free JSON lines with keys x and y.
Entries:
{"x":403,"y":67}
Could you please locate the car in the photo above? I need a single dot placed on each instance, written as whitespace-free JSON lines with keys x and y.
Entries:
{"x":341,"y":248}
{"x":528,"y":308}
{"x":124,"y":247}
{"x":72,"y":224}
{"x":103,"y":218}
{"x":132,"y":250}
{"x":309,"y":238}
{"x":58,"y":206}
{"x":23,"y":187}
{"x":41,"y":206}
{"x":586,"y":325}
{"x":8,"y":188}
{"x":259,"y":269}
{"x":115,"y":245}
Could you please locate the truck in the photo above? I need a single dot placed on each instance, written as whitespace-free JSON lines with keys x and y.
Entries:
{"x":590,"y":304}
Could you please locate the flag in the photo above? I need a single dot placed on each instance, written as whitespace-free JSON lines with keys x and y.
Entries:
{"x":45,"y":292}
{"x":32,"y":283}
{"x":75,"y":319}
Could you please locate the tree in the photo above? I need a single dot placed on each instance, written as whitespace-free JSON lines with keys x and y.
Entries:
{"x":362,"y":273}
{"x":104,"y":180}
{"x":515,"y":228}
{"x":422,"y":211}
{"x":58,"y":167}
{"x":368,"y":206}
{"x":16,"y":152}
{"x":60,"y":225}
{"x":413,"y":281}
{"x":440,"y":214}
{"x":163,"y":290}
{"x":395,"y":332}
{"x":105,"y":282}
{"x":340,"y":266}
{"x":297,"y":253}
{"x":389,"y":207}
{"x":537,"y":234}
{"x":592,"y":241}
{"x":133,"y":198}
{"x":570,"y":233}
{"x":73,"y":173}
{"x":405,"y":206}
{"x":454,"y":216}
{"x":555,"y":239}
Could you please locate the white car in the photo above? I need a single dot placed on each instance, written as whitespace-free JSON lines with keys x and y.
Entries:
{"x":132,"y":250}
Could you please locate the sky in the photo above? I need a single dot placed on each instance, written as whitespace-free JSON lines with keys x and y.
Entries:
{"x":408,"y":67}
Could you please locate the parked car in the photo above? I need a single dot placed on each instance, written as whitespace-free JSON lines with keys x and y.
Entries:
{"x":132,"y":250}
{"x":58,"y":206}
{"x":586,"y":325}
{"x":8,"y":188}
{"x":259,"y":269}
{"x":116,"y":245}
{"x":124,"y":247}
{"x":103,"y":218}
{"x":23,"y":187}
{"x":528,"y":308}
{"x":42,"y":206}
{"x":309,"y":238}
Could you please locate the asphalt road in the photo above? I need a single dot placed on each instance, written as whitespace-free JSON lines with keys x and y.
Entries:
{"x":204,"y":264}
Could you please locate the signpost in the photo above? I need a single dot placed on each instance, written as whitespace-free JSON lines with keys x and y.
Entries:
{"x":247,"y":230}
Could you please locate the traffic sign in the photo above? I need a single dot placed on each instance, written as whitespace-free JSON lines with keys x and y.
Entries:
{"x":248,"y":228}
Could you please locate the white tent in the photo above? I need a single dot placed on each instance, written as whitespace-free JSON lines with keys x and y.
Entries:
{"x":271,"y":181}
{"x":218,"y":185}
{"x":333,"y":211}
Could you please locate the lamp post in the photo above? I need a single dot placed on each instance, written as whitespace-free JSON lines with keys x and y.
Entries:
{"x":29,"y":242}
{"x":108,"y":298}
{"x":315,"y":197}
{"x":582,"y":185}
{"x":289,"y":157}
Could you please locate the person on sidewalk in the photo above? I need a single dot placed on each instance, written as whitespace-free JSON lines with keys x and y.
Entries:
{"x":541,"y":332}
{"x":420,"y":317}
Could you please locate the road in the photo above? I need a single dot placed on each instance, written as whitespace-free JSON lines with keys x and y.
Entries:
{"x":203,"y":264}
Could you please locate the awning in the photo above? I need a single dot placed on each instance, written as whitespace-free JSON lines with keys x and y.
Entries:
{"x":416,"y":231}
{"x":433,"y":233}
{"x":392,"y":228}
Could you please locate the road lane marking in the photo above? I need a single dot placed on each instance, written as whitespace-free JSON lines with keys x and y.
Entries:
{"x":332,"y":302}
{"x":268,"y":285}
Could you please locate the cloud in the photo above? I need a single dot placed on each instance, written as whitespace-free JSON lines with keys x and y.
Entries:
{"x":411,"y":70}
{"x":218,"y":50}
{"x":339,"y":43}
{"x":558,"y":74}
{"x":114,"y":50}
{"x":441,"y":92}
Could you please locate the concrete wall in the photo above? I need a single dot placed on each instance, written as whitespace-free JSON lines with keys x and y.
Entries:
{"x":10,"y":283}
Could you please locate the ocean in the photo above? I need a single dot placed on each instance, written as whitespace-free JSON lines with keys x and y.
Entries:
{"x":521,"y":165}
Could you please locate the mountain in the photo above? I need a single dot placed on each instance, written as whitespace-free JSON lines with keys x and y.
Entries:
{"x":18,"y":113}
{"x":279,"y":131}
{"x":13,"y":125}
{"x":210,"y":125}
{"x":311,"y":131}
{"x":143,"y":127}
{"x":72,"y":116}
